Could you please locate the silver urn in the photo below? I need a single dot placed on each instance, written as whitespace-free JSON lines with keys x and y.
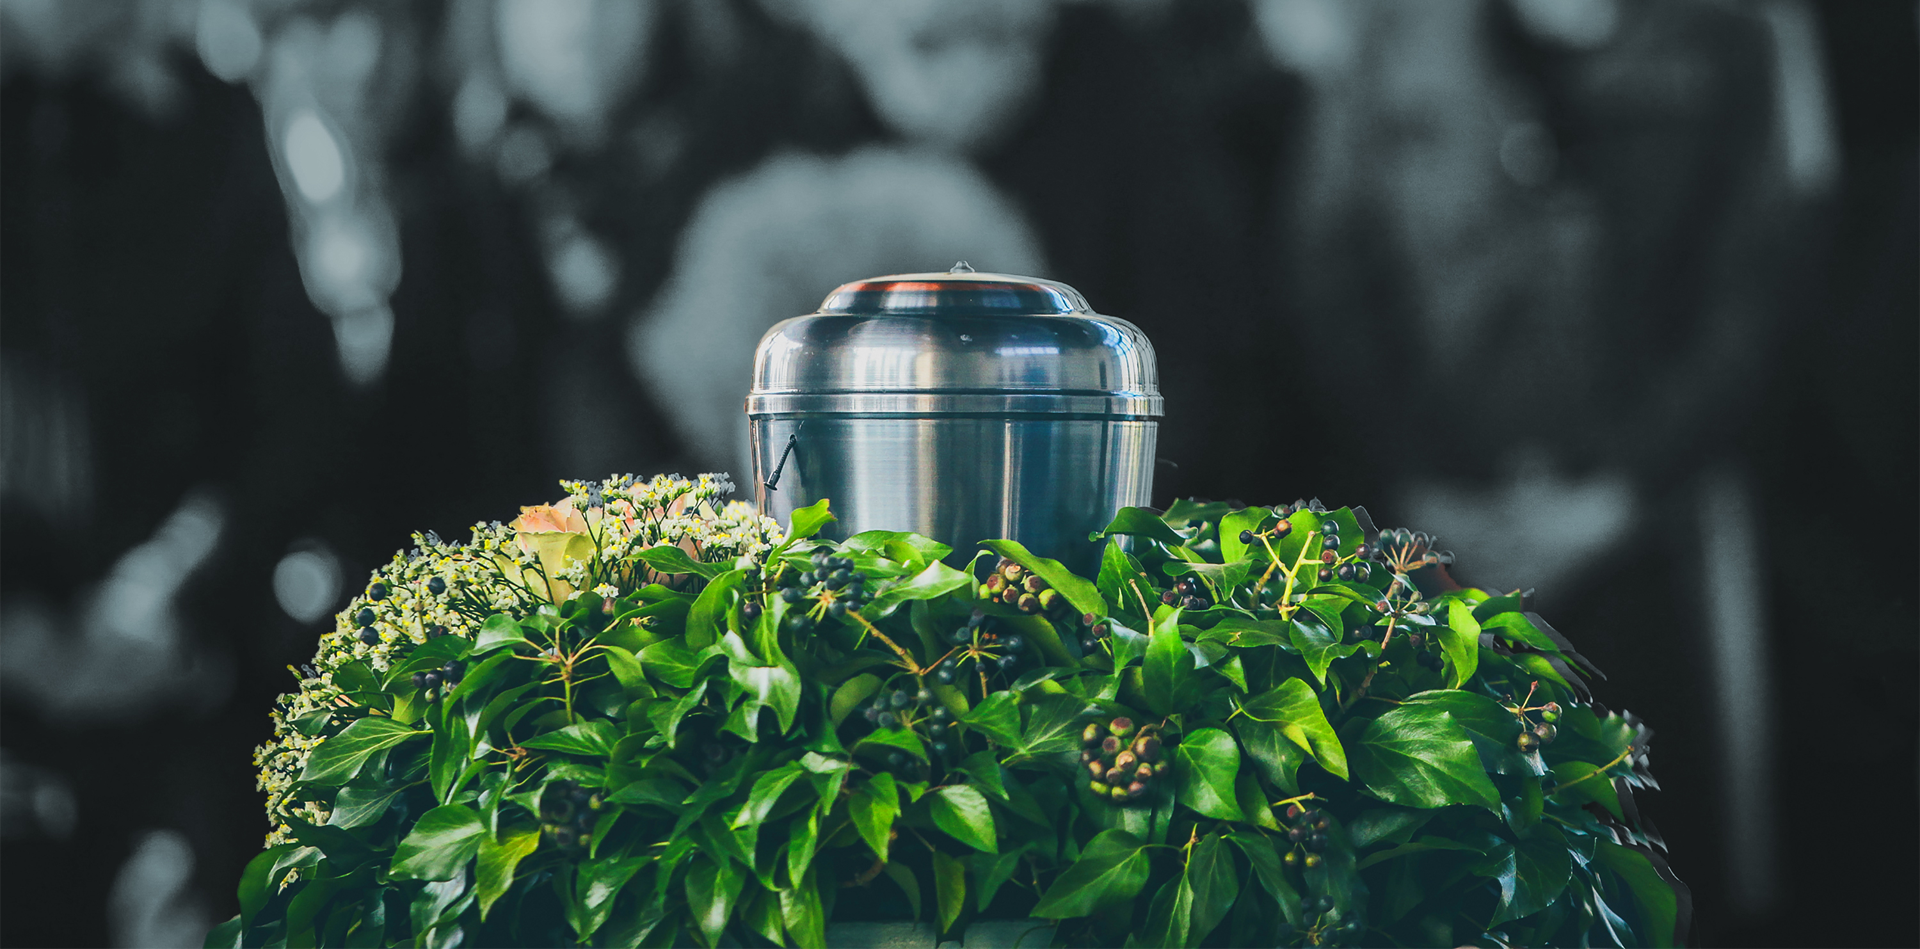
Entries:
{"x":959,"y":405}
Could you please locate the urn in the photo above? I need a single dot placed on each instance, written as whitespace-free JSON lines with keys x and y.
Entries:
{"x":963,"y":406}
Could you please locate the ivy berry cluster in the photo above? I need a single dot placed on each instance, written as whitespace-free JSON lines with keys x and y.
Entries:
{"x":567,"y":814}
{"x":978,"y":642}
{"x":1016,"y":586}
{"x":833,"y":586}
{"x":1121,"y":763}
{"x":1534,"y":734}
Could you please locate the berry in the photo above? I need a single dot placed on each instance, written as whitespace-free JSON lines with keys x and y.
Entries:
{"x":936,"y":729}
{"x":1090,"y":735}
{"x":368,"y":636}
{"x":922,"y":696}
{"x":1383,"y":606}
{"x":1317,"y":843}
{"x":1121,"y":727}
{"x":940,"y":714}
{"x":900,"y":699}
{"x":961,"y":636}
{"x":1550,"y":716}
{"x":1528,"y":741}
{"x":1148,"y":748}
{"x":1013,"y":572}
{"x":1110,"y":745}
{"x":1547,"y":733}
{"x":1326,"y":573}
{"x":1096,"y":768}
{"x":419,"y":680}
{"x":750,"y":611}
{"x":886,"y":720}
{"x":1282,"y":529}
{"x":430,"y":679}
{"x":1115,"y":777}
{"x":436,"y":586}
{"x":1193,"y":603}
{"x":1169,"y":598}
{"x":838,"y":579}
{"x":1362,"y":571}
{"x":1125,"y":760}
{"x":1012,"y":643}
{"x":872,"y":714}
{"x":1294,"y":811}
{"x":436,"y":632}
{"x":1028,"y":603}
{"x":1346,"y":571}
{"x":837,"y":608}
{"x":945,"y":676}
{"x":1332,"y":541}
{"x":1088,"y":644}
{"x":1553,"y":708}
{"x":939,"y":747}
{"x":1246,"y":537}
{"x":1292,"y":858}
{"x":1297,"y":834}
{"x":792,"y":595}
{"x":377,"y":592}
{"x":1329,"y":556}
{"x":453,"y":671}
{"x":365,"y":616}
{"x":1049,"y":598}
{"x":897,"y":760}
{"x":1033,"y":583}
{"x":1136,"y":789}
{"x":1319,"y":821}
{"x":1313,"y":860}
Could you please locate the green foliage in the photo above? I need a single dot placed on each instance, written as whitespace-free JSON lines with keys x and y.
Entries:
{"x":1309,"y":755}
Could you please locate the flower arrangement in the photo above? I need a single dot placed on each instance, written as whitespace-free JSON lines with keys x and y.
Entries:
{"x":644,"y":715}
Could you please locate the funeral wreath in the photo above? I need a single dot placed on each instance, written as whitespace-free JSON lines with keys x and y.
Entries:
{"x":645,"y":715}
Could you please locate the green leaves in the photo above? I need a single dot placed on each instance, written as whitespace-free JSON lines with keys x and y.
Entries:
{"x":949,"y":888}
{"x":1084,"y":596}
{"x":1111,"y":870}
{"x":1655,"y":897}
{"x":1204,"y":767}
{"x":498,"y":859}
{"x":935,"y":581}
{"x":1541,"y":867}
{"x":712,"y":889}
{"x":874,"y":805}
{"x":1580,"y":781}
{"x":1141,"y":522}
{"x":1294,"y":710}
{"x":1319,"y":645}
{"x":340,"y":758}
{"x":963,"y":814}
{"x":594,"y":739}
{"x":807,"y":521}
{"x":440,"y":844}
{"x":669,"y":559}
{"x":1460,"y":643}
{"x":499,"y":630}
{"x":1418,"y":757}
{"x":1168,"y":672}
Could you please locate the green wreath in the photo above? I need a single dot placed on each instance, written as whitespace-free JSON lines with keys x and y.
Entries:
{"x":646,"y":716}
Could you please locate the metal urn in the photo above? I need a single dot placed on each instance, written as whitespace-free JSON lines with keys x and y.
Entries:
{"x":960,"y":405}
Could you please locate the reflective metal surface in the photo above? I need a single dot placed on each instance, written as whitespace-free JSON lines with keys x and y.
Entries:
{"x":962,"y":406}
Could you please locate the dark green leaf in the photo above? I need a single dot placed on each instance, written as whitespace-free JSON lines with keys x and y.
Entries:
{"x":850,"y":694}
{"x":1658,"y":903}
{"x":673,"y":662}
{"x":497,"y":861}
{"x":1319,"y":646}
{"x":1111,"y":870}
{"x":1515,"y":627}
{"x":713,"y":886}
{"x":905,"y":547}
{"x":707,"y":618}
{"x":998,"y":718}
{"x":1294,"y":709}
{"x":1266,"y":868}
{"x":261,"y":878}
{"x":1170,"y":914}
{"x":338,"y":759}
{"x":358,"y":807}
{"x":671,"y":560}
{"x":1214,"y":883}
{"x":629,"y":672}
{"x":962,"y":812}
{"x":1167,"y":675}
{"x":949,"y":888}
{"x":1243,"y":632}
{"x":1141,"y":522}
{"x":801,"y":911}
{"x":937,"y":580}
{"x":447,"y":760}
{"x":766,"y":793}
{"x":1277,"y":757}
{"x":1245,"y":519}
{"x":884,"y":740}
{"x":1386,"y":824}
{"x":1582,"y":781}
{"x":1050,"y":727}
{"x":1253,"y":801}
{"x":1204,"y":767}
{"x":1492,"y":728}
{"x":440,"y":844}
{"x":1418,"y":757}
{"x":984,"y":769}
{"x":1124,"y":583}
{"x":1184,"y":511}
{"x":1542,"y":867}
{"x":1423,"y":845}
{"x":874,"y":805}
{"x":989,"y":872}
{"x":499,"y":630}
{"x":1084,"y":596}
{"x":592,"y":738}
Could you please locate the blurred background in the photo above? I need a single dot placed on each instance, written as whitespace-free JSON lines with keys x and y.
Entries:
{"x":1616,"y":296}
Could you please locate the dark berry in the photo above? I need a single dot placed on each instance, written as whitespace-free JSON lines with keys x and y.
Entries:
{"x":436,"y":632}
{"x":453,"y":671}
{"x":976,"y":618}
{"x":1012,"y":643}
{"x":945,"y":676}
{"x":419,"y":680}
{"x":1295,"y":811}
{"x":872,"y":714}
{"x":1329,"y":556}
{"x":1246,"y":537}
{"x":1326,"y":573}
{"x":837,"y":608}
{"x":1332,"y":541}
{"x":1282,"y":529}
{"x":939,"y":747}
{"x":923,"y":696}
{"x":1346,"y":571}
{"x":1319,"y":821}
{"x":430,"y":679}
{"x":940,"y":714}
{"x":838,"y":579}
{"x":1169,"y":598}
{"x":1547,"y":733}
{"x":1297,"y":834}
{"x":750,"y":611}
{"x":1362,"y":571}
{"x":897,"y":760}
{"x":1029,"y":603}
{"x":936,"y":729}
{"x":900,"y":699}
{"x":1528,"y":741}
{"x":368,"y":636}
{"x":886,"y":720}
{"x":365,"y":616}
{"x":377,"y":592}
{"x":792,"y":595}
{"x":436,"y":586}
{"x":1088,"y":644}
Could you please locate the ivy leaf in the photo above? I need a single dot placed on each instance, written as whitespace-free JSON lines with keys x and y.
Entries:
{"x":949,"y":888}
{"x":498,"y":859}
{"x":936,"y":581}
{"x":358,"y":807}
{"x":628,"y":671}
{"x":1204,"y":767}
{"x":1418,"y":757}
{"x":807,"y":521}
{"x":1141,"y":522}
{"x":990,"y":871}
{"x":593,"y":739}
{"x":669,"y":559}
{"x":1245,"y":633}
{"x":1277,"y":756}
{"x":499,"y":630}
{"x":766,"y":793}
{"x":1111,"y":870}
{"x":904,"y":547}
{"x":1542,"y":867}
{"x":1266,"y":868}
{"x":874,"y":805}
{"x":1294,"y":709}
{"x":440,"y":844}
{"x":673,"y":662}
{"x":1583,"y":781}
{"x":1253,"y":802}
{"x":1492,"y":728}
{"x":596,"y":885}
{"x":1167,"y":675}
{"x":713,"y":886}
{"x":1319,"y":646}
{"x":1245,"y":519}
{"x":1658,"y":901}
{"x":1049,"y":728}
{"x":1170,"y":915}
{"x":340,"y":758}
{"x":1084,"y":596}
{"x":1214,"y":883}
{"x":1120,"y":577}
{"x":850,"y":694}
{"x":963,"y":813}
{"x":801,"y":911}
{"x":909,"y":884}
{"x":1460,"y":642}
{"x":998,"y":718}
{"x":897,"y":739}
{"x":707,"y":617}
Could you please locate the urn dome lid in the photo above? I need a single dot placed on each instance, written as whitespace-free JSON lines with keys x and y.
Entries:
{"x":955,"y":342}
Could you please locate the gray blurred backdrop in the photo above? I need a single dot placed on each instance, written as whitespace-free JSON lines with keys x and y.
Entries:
{"x":1616,"y":296}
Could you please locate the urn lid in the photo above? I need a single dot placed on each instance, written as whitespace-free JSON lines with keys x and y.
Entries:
{"x":955,"y":342}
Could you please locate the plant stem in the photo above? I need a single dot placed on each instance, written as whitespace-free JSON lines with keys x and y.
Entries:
{"x":905,"y":657}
